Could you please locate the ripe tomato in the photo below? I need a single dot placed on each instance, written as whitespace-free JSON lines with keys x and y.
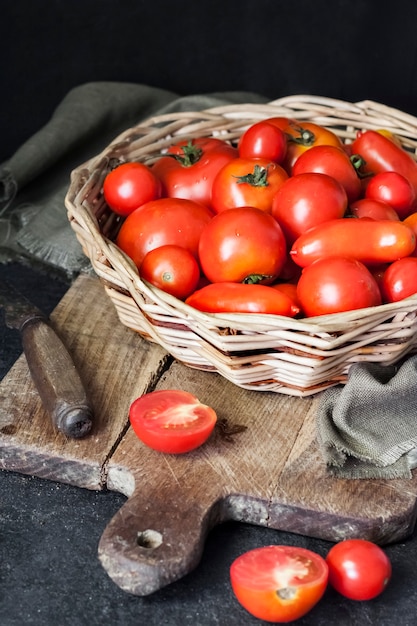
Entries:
{"x":333,"y":161}
{"x":400,"y":279}
{"x":394,"y":189}
{"x":370,"y":241}
{"x":279,"y":583}
{"x":171,"y":421}
{"x":247,"y":182}
{"x":358,"y":569}
{"x":290,"y":289}
{"x":336,"y":284}
{"x":130,"y":185}
{"x":160,"y":222}
{"x":263,"y":140}
{"x":305,"y":200}
{"x":171,"y":268}
{"x":373,"y":209}
{"x":191,"y":167}
{"x":242,"y":245}
{"x":242,"y":298}
{"x":411,"y":222}
{"x":301,"y":136}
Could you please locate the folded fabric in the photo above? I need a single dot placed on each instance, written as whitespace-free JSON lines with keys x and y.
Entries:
{"x":34,"y":181}
{"x":368,"y":427}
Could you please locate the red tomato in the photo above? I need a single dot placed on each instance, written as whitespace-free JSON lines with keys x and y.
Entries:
{"x":247,"y":182}
{"x":290,"y":289}
{"x":171,"y":421}
{"x":336,"y":284}
{"x":394,"y":189}
{"x":333,"y":161}
{"x":263,"y":140}
{"x":171,"y":268}
{"x":400,"y":279}
{"x":305,"y":200}
{"x":279,"y":583}
{"x":129,"y":186}
{"x":373,"y":209}
{"x":370,"y":241}
{"x":165,"y":221}
{"x":358,"y":569}
{"x":384,"y":155}
{"x":242,"y":245}
{"x":411,"y":222}
{"x":301,"y":136}
{"x":242,"y":298}
{"x":191,"y":167}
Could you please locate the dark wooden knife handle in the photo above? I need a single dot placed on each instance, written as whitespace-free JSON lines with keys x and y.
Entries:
{"x":56,"y":378}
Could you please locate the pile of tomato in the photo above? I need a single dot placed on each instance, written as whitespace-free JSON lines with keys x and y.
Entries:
{"x":289,"y":221}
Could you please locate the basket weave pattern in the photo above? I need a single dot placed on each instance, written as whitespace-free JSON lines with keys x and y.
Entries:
{"x":297,"y":357}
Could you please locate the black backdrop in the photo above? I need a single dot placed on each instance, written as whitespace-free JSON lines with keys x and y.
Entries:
{"x":348,"y":49}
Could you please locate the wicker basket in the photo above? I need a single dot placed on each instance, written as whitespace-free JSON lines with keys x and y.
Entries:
{"x":297,"y":357}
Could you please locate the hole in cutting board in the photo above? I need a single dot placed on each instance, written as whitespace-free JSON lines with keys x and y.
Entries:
{"x":149,"y":539}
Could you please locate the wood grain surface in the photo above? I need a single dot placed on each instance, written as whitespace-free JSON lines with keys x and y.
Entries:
{"x":271,"y":473}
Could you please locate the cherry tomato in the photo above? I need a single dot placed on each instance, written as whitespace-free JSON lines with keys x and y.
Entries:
{"x":358,"y":569}
{"x":411,"y":222}
{"x":171,"y":268}
{"x":171,"y":421}
{"x":263,"y":140}
{"x":165,"y":221}
{"x":305,"y":200}
{"x":279,"y":583}
{"x":242,"y":245}
{"x":336,"y":284}
{"x":394,"y":189}
{"x":400,"y":279}
{"x":242,"y":298}
{"x":373,"y":209}
{"x":301,"y":136}
{"x":247,"y":182}
{"x":129,"y":185}
{"x":333,"y":161}
{"x":370,"y":241}
{"x":191,"y":167}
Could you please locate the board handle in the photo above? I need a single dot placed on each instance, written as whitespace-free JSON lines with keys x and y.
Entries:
{"x":154,"y":540}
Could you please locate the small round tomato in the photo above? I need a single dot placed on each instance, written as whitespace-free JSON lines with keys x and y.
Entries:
{"x":279,"y":583}
{"x":165,"y":221}
{"x":189,"y":170}
{"x":129,"y":186}
{"x":394,"y":189}
{"x":263,"y":140}
{"x":411,"y":222}
{"x":400,"y":279}
{"x":171,"y":268}
{"x":336,"y":284}
{"x":171,"y":420}
{"x":333,"y":161}
{"x":242,"y":245}
{"x":358,"y":569}
{"x":373,"y":209}
{"x":305,"y":200}
{"x":247,"y":182}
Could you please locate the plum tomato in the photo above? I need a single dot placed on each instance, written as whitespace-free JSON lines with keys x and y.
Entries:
{"x":394,"y":189}
{"x":247,"y":182}
{"x":400,"y":279}
{"x":336,"y":284}
{"x":171,"y":268}
{"x":174,"y":221}
{"x":129,"y":186}
{"x":279,"y":583}
{"x":242,"y":245}
{"x":358,"y":569}
{"x":373,"y":209}
{"x":263,"y":140}
{"x":305,"y":200}
{"x":171,"y":420}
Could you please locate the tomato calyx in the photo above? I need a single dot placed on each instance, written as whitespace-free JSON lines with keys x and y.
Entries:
{"x":257,"y":178}
{"x":359,"y":163}
{"x":254,"y":279}
{"x":191,"y":154}
{"x":305,"y":138}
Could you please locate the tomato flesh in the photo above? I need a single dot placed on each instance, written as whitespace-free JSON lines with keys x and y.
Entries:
{"x":171,"y":421}
{"x":279,"y":583}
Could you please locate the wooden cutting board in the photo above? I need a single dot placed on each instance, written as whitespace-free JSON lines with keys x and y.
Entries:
{"x":270,"y":474}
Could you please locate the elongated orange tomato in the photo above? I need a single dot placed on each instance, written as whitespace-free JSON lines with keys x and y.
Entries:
{"x":369,"y":241}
